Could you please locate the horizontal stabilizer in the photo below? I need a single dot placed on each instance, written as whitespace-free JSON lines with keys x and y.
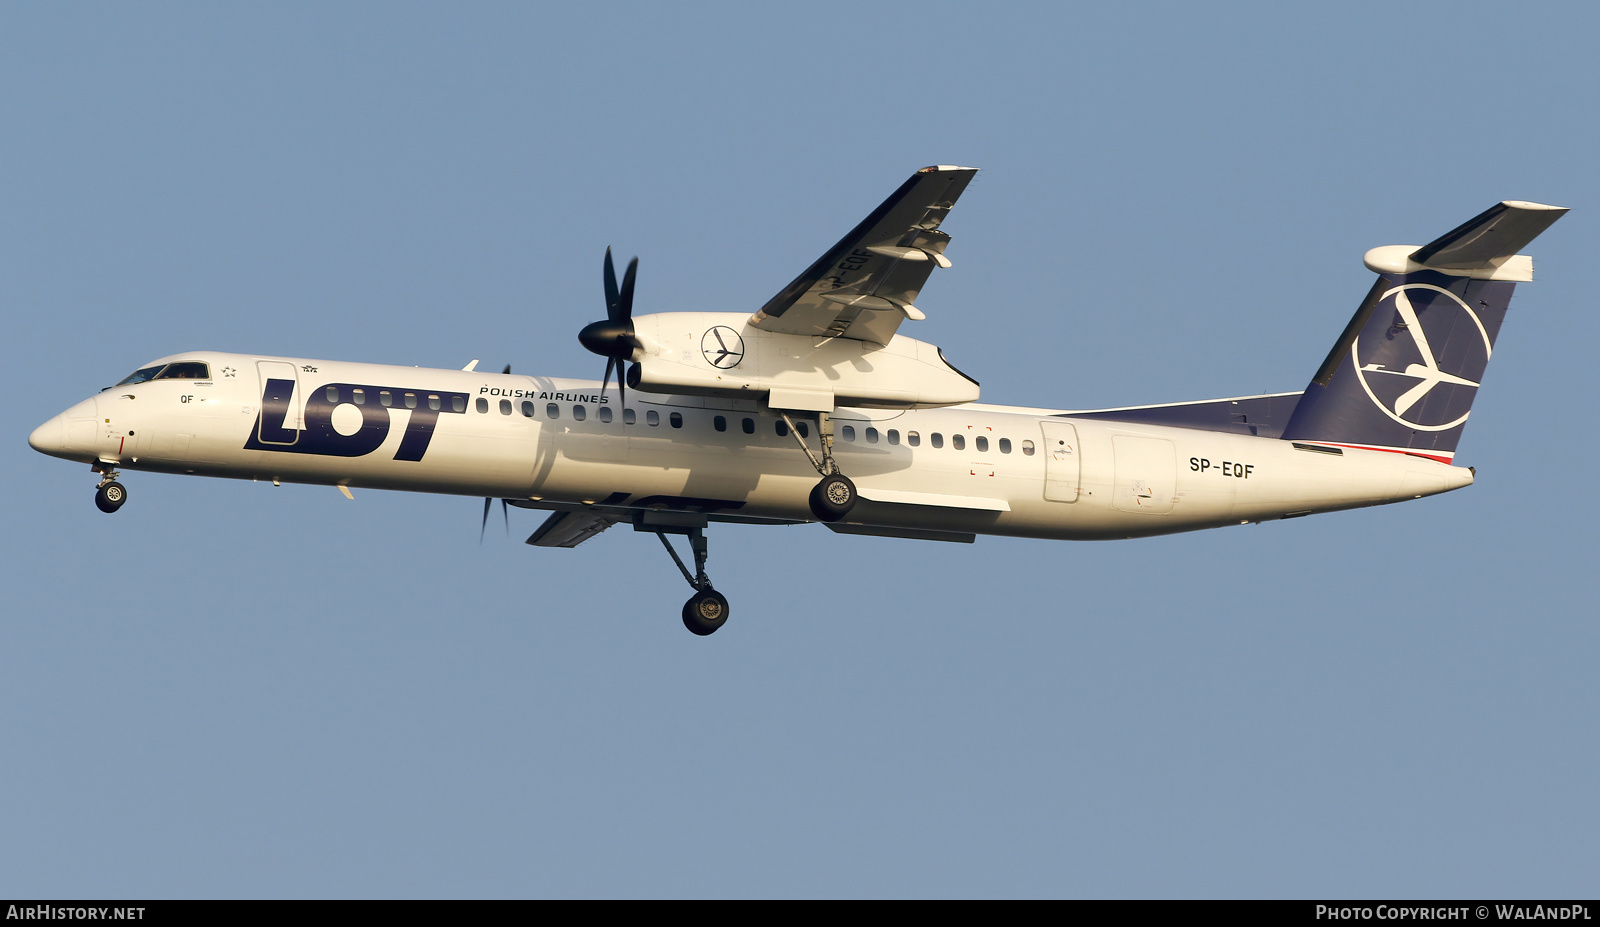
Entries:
{"x":1497,"y":233}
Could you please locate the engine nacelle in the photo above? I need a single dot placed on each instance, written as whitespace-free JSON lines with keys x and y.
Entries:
{"x":720,"y":354}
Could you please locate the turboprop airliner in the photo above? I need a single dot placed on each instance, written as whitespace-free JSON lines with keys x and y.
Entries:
{"x":816,"y":408}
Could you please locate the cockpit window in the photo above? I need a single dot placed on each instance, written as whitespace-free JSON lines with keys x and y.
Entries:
{"x":141,"y":375}
{"x":185,"y":370}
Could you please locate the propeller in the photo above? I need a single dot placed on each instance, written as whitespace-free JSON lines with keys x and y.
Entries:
{"x":613,"y":337}
{"x":504,"y":509}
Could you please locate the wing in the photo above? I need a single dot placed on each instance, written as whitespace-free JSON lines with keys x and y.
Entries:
{"x":569,"y":529}
{"x":570,"y":524}
{"x":868,"y":282}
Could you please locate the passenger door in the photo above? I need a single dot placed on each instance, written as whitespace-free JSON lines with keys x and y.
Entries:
{"x":280,"y":422}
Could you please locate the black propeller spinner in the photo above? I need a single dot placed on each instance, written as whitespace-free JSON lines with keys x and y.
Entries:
{"x":613,"y":338}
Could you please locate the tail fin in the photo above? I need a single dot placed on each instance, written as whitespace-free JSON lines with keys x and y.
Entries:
{"x":1403,"y":375}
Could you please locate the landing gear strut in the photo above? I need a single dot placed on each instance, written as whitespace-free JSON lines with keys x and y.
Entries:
{"x":108,"y":493}
{"x":707,"y":609}
{"x":834,"y":497}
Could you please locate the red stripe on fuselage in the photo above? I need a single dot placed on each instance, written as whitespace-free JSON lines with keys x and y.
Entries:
{"x":1391,"y":450}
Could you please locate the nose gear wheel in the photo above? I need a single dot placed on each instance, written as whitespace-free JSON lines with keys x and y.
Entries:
{"x":108,"y":493}
{"x":108,"y":497}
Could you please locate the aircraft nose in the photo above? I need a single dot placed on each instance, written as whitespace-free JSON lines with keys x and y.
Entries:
{"x":49,"y":438}
{"x":69,"y":435}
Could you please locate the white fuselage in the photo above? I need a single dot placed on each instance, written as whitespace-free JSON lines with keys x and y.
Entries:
{"x":1022,"y":472}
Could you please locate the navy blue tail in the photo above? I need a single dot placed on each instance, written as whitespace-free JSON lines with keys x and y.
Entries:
{"x":1407,"y":368}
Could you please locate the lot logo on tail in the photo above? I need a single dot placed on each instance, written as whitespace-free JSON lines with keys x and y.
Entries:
{"x":1402,"y":365}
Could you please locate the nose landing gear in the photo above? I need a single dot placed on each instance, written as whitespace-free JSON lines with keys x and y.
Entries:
{"x":108,"y":493}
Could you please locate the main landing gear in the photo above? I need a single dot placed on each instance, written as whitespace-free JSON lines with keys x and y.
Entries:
{"x":834,"y":497}
{"x":707,"y":609}
{"x":108,"y":493}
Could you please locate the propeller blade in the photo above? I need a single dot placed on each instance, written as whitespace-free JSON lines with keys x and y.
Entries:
{"x":485,"y":524}
{"x":619,"y":303}
{"x":626,"y":297}
{"x":505,"y":512}
{"x":613,"y":298}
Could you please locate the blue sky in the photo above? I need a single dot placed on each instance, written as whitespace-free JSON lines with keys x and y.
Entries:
{"x":229,"y":689}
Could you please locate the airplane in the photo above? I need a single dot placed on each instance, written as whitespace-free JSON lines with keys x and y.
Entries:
{"x":816,"y":409}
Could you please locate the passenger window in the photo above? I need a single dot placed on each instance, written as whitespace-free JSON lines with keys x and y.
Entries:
{"x":805,"y":431}
{"x":720,"y":423}
{"x":913,"y":439}
{"x":385,"y":398}
{"x":579,"y":413}
{"x":894,"y":436}
{"x":936,"y":439}
{"x":848,"y":432}
{"x":983,"y":444}
{"x":1005,"y":445}
{"x":457,"y":402}
{"x":1027,"y":448}
{"x":433,"y":402}
{"x":331,"y":392}
{"x":781,"y":428}
{"x":552,"y":411}
{"x":677,"y":420}
{"x":605,"y":413}
{"x":652,"y":417}
{"x":959,"y":442}
{"x":749,"y":426}
{"x":411,"y":400}
{"x":505,"y":407}
{"x":483,"y":405}
{"x":527,"y":409}
{"x":872,"y":435}
{"x":360,"y":396}
{"x":629,"y":416}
